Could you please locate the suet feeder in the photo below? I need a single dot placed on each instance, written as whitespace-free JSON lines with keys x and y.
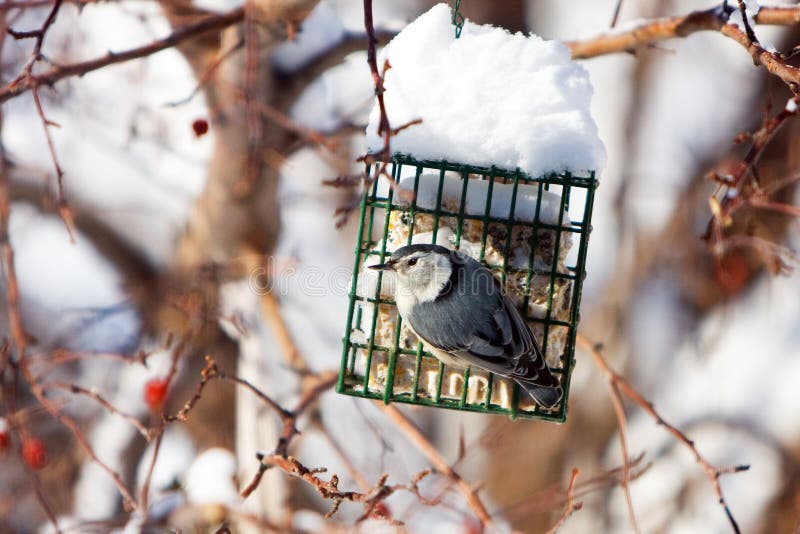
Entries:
{"x":494,"y":169}
{"x":522,"y":228}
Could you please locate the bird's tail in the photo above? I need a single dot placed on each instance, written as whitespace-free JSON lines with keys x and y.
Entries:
{"x":546,"y":397}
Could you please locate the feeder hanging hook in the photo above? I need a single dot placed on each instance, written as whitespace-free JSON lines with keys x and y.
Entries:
{"x":458,"y":19}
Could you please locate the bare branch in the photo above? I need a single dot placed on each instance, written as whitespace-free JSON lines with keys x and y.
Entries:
{"x":615,"y":16}
{"x":748,"y":30}
{"x":619,"y":411}
{"x":415,"y":435}
{"x":651,"y":32}
{"x":572,"y":506}
{"x":206,"y":75}
{"x":78,"y":390}
{"x":18,"y":335}
{"x":207,"y":24}
{"x":329,"y":489}
{"x":735,"y":191}
{"x":712,"y":472}
{"x":76,"y":431}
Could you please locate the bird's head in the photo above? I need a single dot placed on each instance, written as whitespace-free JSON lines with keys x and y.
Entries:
{"x":422,"y":271}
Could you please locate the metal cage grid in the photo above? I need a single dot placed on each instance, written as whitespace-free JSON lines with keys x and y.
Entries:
{"x":377,"y":208}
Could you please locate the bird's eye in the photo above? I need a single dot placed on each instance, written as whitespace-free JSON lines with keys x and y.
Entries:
{"x":412,"y":262}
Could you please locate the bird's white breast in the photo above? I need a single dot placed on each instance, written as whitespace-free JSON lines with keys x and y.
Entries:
{"x":405,"y":300}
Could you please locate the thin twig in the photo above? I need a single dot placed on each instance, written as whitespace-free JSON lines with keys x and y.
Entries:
{"x":384,"y":128}
{"x":329,"y":489}
{"x":641,"y":36}
{"x":78,"y":390}
{"x":751,"y":35}
{"x":209,"y":372}
{"x":349,"y":465}
{"x":31,"y":4}
{"x":270,"y":310}
{"x":651,"y":32}
{"x":36,"y":56}
{"x":76,"y":431}
{"x":415,"y":435}
{"x":615,"y":16}
{"x":178,"y":351}
{"x":735,"y":191}
{"x":51,"y":76}
{"x":622,"y":424}
{"x":289,"y":419}
{"x":572,"y":506}
{"x":144,"y":496}
{"x":280,"y":458}
{"x":321,"y":383}
{"x":9,"y":367}
{"x":45,"y":362}
{"x":17,"y":330}
{"x":712,"y":472}
{"x":553,"y":496}
{"x":203,"y":79}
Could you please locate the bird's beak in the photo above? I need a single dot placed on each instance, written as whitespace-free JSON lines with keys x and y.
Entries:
{"x":388,"y":266}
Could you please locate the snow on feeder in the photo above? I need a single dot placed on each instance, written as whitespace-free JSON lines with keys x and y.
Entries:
{"x":502,"y":167}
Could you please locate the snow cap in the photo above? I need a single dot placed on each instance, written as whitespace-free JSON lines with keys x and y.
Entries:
{"x":487,"y":98}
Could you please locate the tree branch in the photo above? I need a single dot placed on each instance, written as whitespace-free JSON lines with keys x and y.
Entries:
{"x":414,"y":434}
{"x":654,"y":31}
{"x":50,"y":77}
{"x":711,"y":471}
{"x":572,"y":506}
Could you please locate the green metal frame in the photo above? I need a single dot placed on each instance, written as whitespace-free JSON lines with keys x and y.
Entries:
{"x":376,"y":208}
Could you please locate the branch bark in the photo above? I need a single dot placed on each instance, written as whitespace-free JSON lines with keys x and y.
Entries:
{"x":50,"y":77}
{"x":619,"y":384}
{"x":652,"y":32}
{"x":414,"y":434}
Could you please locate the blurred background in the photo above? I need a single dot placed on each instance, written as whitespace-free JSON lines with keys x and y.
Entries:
{"x":193,"y":181}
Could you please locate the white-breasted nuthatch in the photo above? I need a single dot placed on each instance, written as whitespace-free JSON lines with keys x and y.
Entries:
{"x":457,"y":307}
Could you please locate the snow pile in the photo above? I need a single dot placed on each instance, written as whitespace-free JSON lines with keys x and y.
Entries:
{"x":488,"y":97}
{"x":175,"y":455}
{"x":475,"y":199}
{"x":210,"y":478}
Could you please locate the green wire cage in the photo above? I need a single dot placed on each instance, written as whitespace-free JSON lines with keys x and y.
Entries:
{"x":532,"y":233}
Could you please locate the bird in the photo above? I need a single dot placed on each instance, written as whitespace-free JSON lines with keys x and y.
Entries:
{"x":458,"y":309}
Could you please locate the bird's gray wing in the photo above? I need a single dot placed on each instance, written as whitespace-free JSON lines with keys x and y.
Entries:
{"x":483,"y":328}
{"x":510,"y":349}
{"x":529,"y":363}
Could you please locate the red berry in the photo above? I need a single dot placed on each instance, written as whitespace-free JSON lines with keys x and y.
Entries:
{"x":3,"y":434}
{"x":34,"y":453}
{"x":733,"y":272}
{"x":472,"y":527}
{"x":200,"y":127}
{"x":381,"y":511}
{"x":155,"y":391}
